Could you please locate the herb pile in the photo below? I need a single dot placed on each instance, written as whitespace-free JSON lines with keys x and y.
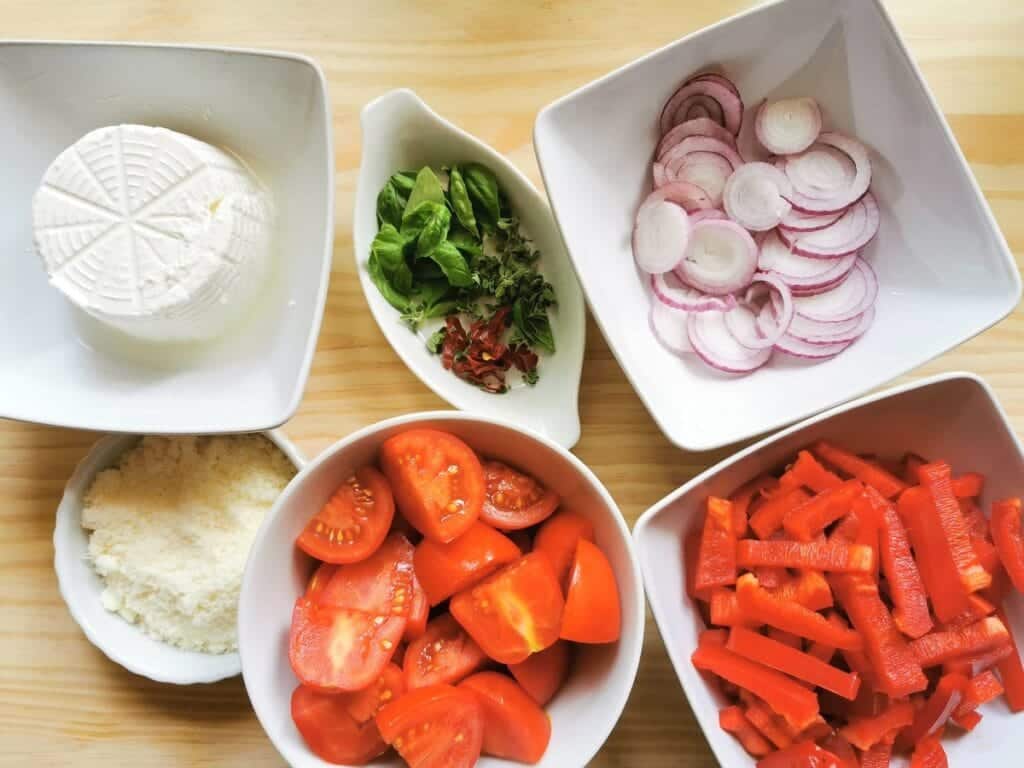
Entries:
{"x":455,"y":251}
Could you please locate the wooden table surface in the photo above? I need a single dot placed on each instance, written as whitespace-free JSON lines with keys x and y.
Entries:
{"x":489,"y":66}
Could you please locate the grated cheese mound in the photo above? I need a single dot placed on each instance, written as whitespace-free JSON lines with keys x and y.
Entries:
{"x":172,"y":525}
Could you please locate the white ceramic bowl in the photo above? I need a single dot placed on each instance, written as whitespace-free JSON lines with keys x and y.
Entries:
{"x":954,"y":416}
{"x":945,"y":271}
{"x":80,"y":586}
{"x":400,"y":132}
{"x":57,"y":366}
{"x":588,"y":706}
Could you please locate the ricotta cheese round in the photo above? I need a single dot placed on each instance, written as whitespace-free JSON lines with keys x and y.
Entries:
{"x":153,"y":232}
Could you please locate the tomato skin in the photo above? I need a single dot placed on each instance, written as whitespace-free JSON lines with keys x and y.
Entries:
{"x":330,"y":732}
{"x":444,"y":569}
{"x":514,"y":500}
{"x":437,"y":480}
{"x":340,"y":649}
{"x":353,"y":522}
{"x":434,"y":727}
{"x":364,"y":705}
{"x":541,"y":674}
{"x":592,"y":611}
{"x":419,"y":612}
{"x":381,"y":585}
{"x":515,"y":727}
{"x":514,"y":612}
{"x":444,"y":654}
{"x":557,"y":539}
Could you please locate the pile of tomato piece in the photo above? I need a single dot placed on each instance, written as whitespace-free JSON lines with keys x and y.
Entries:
{"x":441,"y":618}
{"x":855,"y":607}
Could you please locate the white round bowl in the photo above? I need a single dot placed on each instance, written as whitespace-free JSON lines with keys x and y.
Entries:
{"x":80,"y":586}
{"x":588,"y":706}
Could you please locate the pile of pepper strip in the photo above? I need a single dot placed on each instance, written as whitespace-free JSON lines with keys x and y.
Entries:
{"x":855,"y":608}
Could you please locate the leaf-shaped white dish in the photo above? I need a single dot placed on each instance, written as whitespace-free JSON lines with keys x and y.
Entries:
{"x":400,"y":132}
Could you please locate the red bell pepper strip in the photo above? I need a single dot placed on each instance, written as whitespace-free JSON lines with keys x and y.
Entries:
{"x":716,"y":564}
{"x":786,"y":697}
{"x":716,"y":637}
{"x":786,"y":638}
{"x":968,"y":485}
{"x":764,"y":607}
{"x":744,"y":496}
{"x":793,"y":662}
{"x":933,"y":555}
{"x":976,"y":519}
{"x":878,"y":756}
{"x":768,"y":724}
{"x":810,"y":589}
{"x":1011,"y":672}
{"x":808,"y":472}
{"x":937,"y":479}
{"x":691,"y":555}
{"x":768,"y":517}
{"x":866,"y":732}
{"x":822,"y":651}
{"x":968,"y":721}
{"x":934,"y":715}
{"x":732,"y":720}
{"x":841,"y":748}
{"x":974,"y":664}
{"x":725,"y":609}
{"x":977,"y":609}
{"x":805,"y":754}
{"x":814,"y":516}
{"x":980,"y":689}
{"x":974,"y":639}
{"x":817,"y":556}
{"x":884,"y":481}
{"x":929,"y":754}
{"x":770,"y":576}
{"x":1009,"y":539}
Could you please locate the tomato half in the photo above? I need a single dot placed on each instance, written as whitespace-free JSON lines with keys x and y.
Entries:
{"x":419,"y":612}
{"x":340,"y":649}
{"x":444,"y":654}
{"x":319,"y":580}
{"x":444,"y":569}
{"x":380,"y":585}
{"x":331,"y":732}
{"x":353,"y":522}
{"x":515,"y":727}
{"x":434,"y":727}
{"x":514,"y":500}
{"x":364,"y":705}
{"x":557,"y":539}
{"x":515,"y":612}
{"x":592,"y":612}
{"x":542,"y":673}
{"x":437,"y":480}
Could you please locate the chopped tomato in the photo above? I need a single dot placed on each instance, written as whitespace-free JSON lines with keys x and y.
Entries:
{"x":419,"y":612}
{"x":434,"y":727}
{"x":363,"y":705}
{"x":515,"y":612}
{"x":340,"y":649}
{"x":330,"y":731}
{"x":592,"y":612}
{"x":319,"y":580}
{"x":381,"y":585}
{"x":444,"y":569}
{"x":514,"y":500}
{"x":541,"y":674}
{"x":353,"y":522}
{"x":437,"y":480}
{"x":515,"y":727}
{"x":557,"y":539}
{"x":444,"y":654}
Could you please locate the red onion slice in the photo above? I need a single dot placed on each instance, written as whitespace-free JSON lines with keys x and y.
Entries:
{"x":716,"y":77}
{"x":717,"y":347}
{"x":820,"y":171}
{"x":689,"y":196}
{"x":674,"y":293}
{"x":697,"y":93}
{"x":675,"y":155}
{"x":710,"y":213}
{"x":707,"y":170}
{"x":795,"y":347}
{"x":755,"y":196}
{"x":850,"y":232}
{"x":700,"y":126}
{"x":669,"y":327}
{"x":816,"y":332}
{"x":743,"y":321}
{"x":848,"y":299}
{"x":801,"y":273}
{"x":660,"y":236}
{"x":808,"y":222}
{"x":720,"y":258}
{"x":788,"y":126}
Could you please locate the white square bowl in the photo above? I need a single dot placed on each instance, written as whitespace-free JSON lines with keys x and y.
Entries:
{"x":945,"y":270}
{"x":269,"y":108}
{"x":953,"y":416}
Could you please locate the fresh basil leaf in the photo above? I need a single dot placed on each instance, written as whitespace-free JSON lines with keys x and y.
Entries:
{"x":431,"y":291}
{"x":532,"y":323}
{"x":453,"y":264}
{"x":461,"y":203}
{"x":392,"y":296}
{"x":482,"y":187}
{"x":389,"y":250}
{"x":434,"y":231}
{"x":393,"y":197}
{"x":427,"y":187}
{"x":427,"y":270}
{"x":465,"y":241}
{"x":404,"y":181}
{"x":436,"y":340}
{"x":415,"y":220}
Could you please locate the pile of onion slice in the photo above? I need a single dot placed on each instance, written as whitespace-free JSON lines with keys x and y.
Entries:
{"x":799,"y":285}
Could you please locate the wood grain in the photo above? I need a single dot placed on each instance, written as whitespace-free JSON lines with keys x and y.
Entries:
{"x":489,"y":66}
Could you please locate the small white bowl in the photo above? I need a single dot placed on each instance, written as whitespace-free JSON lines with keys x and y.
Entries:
{"x":944,"y":269}
{"x":588,"y":706}
{"x":80,"y":586}
{"x":953,"y":416}
{"x":400,"y":132}
{"x":57,"y":366}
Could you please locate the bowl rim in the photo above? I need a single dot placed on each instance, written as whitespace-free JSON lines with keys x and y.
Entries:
{"x":697,"y":442}
{"x":69,"y":513}
{"x":637,"y":619}
{"x":300,"y":379}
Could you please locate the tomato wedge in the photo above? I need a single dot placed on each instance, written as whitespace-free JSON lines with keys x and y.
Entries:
{"x":434,"y":727}
{"x":557,"y":539}
{"x":419,"y":612}
{"x":437,"y":480}
{"x":514,"y":500}
{"x":330,"y":731}
{"x":364,"y":705}
{"x":542,"y":673}
{"x":515,"y":612}
{"x":592,"y":611}
{"x":340,"y":649}
{"x":380,"y":585}
{"x":353,"y":522}
{"x":444,"y":569}
{"x":515,"y":727}
{"x":444,"y":654}
{"x":319,"y":580}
